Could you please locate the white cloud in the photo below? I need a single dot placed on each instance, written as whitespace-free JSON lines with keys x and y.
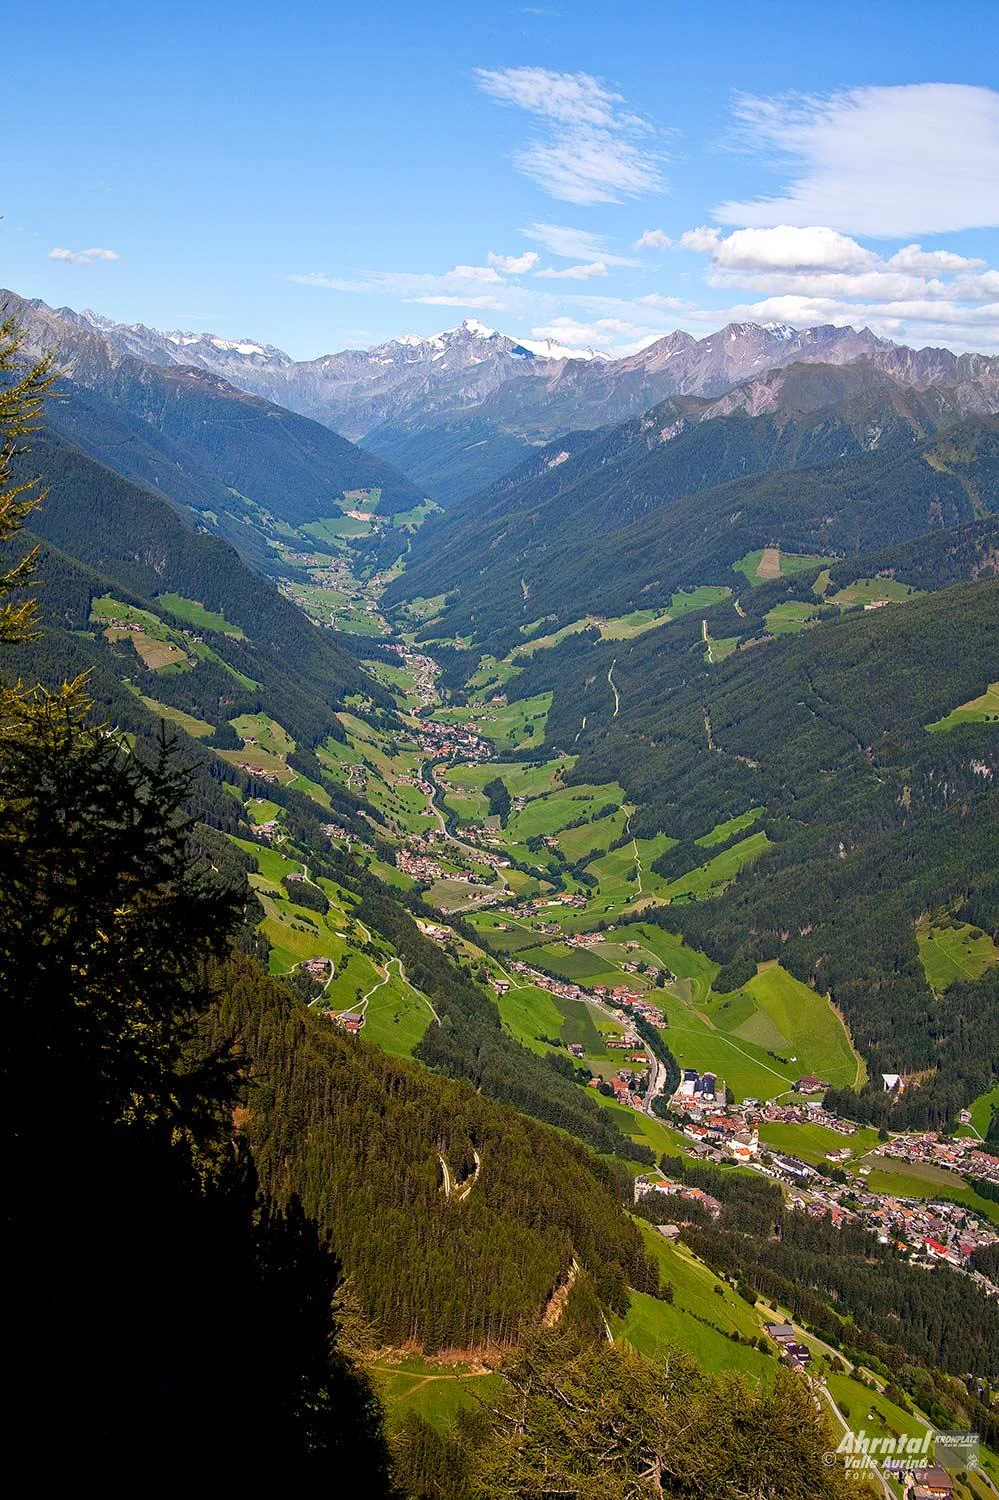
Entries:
{"x":700,"y":238}
{"x":575,"y":273}
{"x":786,"y":247}
{"x":653,"y":239}
{"x":813,"y":274}
{"x":915,"y":258}
{"x":476,"y":273}
{"x":574,"y":244}
{"x":82,"y":257}
{"x":602,"y":333}
{"x":590,"y":149}
{"x":514,"y":265}
{"x":884,"y":161}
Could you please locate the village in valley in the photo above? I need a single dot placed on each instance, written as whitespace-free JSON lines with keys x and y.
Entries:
{"x":546,"y":895}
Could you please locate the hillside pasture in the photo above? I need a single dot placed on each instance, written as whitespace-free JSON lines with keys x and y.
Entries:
{"x":194,"y":613}
{"x":777,"y":1012}
{"x":950,"y":951}
{"x":981,"y":710}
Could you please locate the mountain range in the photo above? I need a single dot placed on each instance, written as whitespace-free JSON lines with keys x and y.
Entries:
{"x":456,"y":410}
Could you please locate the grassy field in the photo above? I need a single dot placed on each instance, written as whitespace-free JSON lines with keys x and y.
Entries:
{"x":579,"y":1028}
{"x":625,"y":874}
{"x":701,"y":597}
{"x":790,"y":617}
{"x":198,"y":728}
{"x":717,"y":650}
{"x":871,"y":591}
{"x":193,"y":613}
{"x":722,"y":832}
{"x":703,"y":1316}
{"x":768,"y":563}
{"x":157,"y":652}
{"x":596,"y":835}
{"x":976,"y":711}
{"x":434,"y":1392}
{"x":514,"y":726}
{"x":267,"y":732}
{"x":550,"y":812}
{"x":779,"y":1013}
{"x":261,"y":810}
{"x":337,"y":528}
{"x":531,"y":1016}
{"x":384,"y":759}
{"x":396,"y":1016}
{"x":619,"y":628}
{"x":814,"y":1142}
{"x":950,"y":950}
{"x":747,"y":1068}
{"x":694,"y":970}
{"x":982,"y":1110}
{"x":922,"y":1180}
{"x":717,"y":873}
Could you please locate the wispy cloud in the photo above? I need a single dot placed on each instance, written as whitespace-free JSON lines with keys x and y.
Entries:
{"x":883,"y":161}
{"x":449,"y":301}
{"x":588,"y":147}
{"x":408,"y":284}
{"x":574,"y":273}
{"x":82,"y":257}
{"x":574,"y":244}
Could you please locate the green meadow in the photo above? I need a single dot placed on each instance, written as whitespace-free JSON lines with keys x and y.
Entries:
{"x":779,"y":1013}
{"x":976,"y":711}
{"x":193,"y":613}
{"x":950,"y":951}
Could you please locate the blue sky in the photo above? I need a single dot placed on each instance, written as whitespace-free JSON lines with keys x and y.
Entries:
{"x":591,"y":173}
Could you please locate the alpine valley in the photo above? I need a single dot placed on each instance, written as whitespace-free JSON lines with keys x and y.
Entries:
{"x":572,"y":784}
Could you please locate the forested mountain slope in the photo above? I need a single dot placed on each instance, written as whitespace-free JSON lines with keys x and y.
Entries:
{"x":873,"y":819}
{"x":249,"y":454}
{"x":658,"y":506}
{"x":360,"y":1138}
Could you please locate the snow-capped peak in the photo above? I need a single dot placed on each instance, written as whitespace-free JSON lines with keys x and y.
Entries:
{"x":782,"y":331}
{"x":225,"y":346}
{"x":472,"y":325}
{"x":549,"y":349}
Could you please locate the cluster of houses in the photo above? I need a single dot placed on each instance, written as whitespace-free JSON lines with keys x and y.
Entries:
{"x":452,"y":741}
{"x":805,"y":1114}
{"x":564,"y":988}
{"x":423,"y":670}
{"x":632,"y":1002}
{"x":664,"y":1187}
{"x":357,"y":778}
{"x":958,"y":1154}
{"x":930,"y":1232}
{"x":349,"y":1021}
{"x":699,"y":1088}
{"x":420,"y":866}
{"x":797,"y":1355}
{"x":627,"y":1084}
{"x":337,"y":833}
